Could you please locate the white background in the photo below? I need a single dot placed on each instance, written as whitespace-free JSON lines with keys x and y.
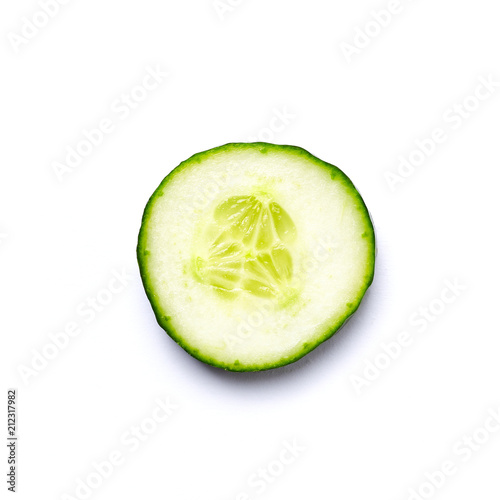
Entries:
{"x":61,"y":241}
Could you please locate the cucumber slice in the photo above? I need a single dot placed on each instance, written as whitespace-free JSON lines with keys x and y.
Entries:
{"x":253,"y":254}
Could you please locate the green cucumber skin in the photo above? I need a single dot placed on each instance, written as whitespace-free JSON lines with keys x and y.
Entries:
{"x":162,"y":317}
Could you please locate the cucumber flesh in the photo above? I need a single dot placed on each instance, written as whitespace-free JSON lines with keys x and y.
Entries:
{"x":246,"y":248}
{"x":253,"y":254}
